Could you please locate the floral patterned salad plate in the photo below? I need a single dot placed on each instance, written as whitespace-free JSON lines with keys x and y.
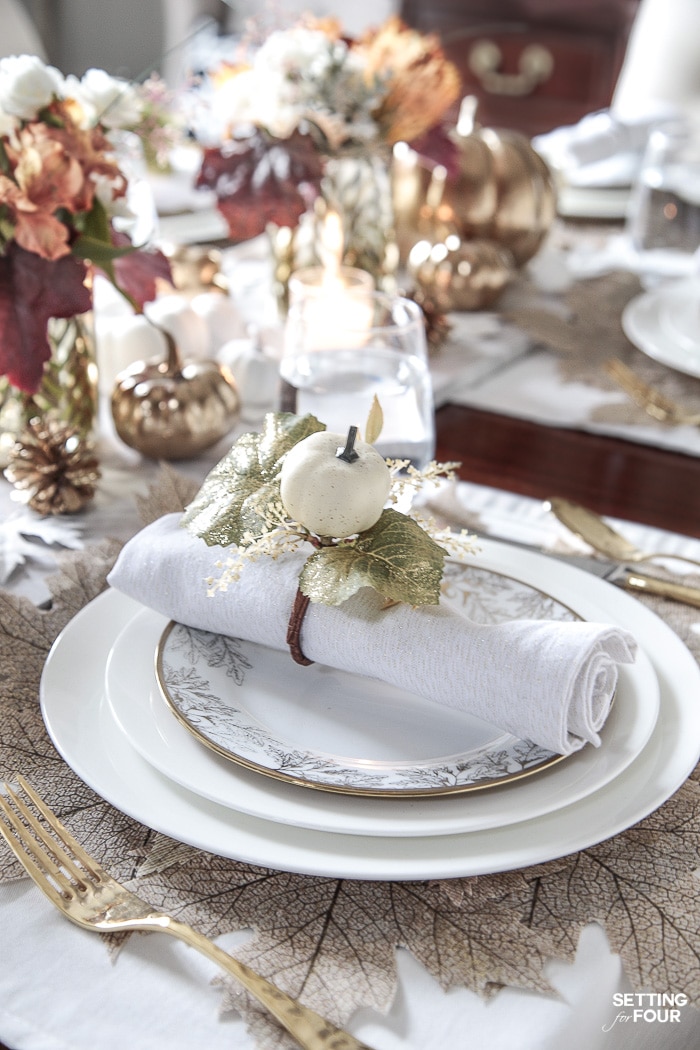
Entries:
{"x":321,"y":728}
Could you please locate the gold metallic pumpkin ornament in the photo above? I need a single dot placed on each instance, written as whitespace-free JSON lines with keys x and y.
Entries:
{"x":169,"y":410}
{"x":503,"y":191}
{"x":461,"y":275}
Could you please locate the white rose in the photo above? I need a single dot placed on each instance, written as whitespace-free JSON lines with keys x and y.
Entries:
{"x":105,"y":99}
{"x":27,"y":85}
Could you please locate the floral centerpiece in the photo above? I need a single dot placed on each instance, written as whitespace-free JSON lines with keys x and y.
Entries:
{"x":312,"y":113}
{"x":62,"y":191}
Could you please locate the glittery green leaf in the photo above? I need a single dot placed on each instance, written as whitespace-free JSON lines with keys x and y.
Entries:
{"x":225,"y":508}
{"x":396,"y":557}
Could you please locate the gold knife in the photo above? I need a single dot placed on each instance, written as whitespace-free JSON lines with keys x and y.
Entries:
{"x":620,"y":575}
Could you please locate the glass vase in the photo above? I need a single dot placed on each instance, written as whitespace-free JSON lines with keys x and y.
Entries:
{"x":358,"y":188}
{"x":68,"y":391}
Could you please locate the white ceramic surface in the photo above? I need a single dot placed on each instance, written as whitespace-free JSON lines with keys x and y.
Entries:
{"x":82,"y":727}
{"x":664,"y":323}
{"x":150,"y":727}
{"x":320,"y":727}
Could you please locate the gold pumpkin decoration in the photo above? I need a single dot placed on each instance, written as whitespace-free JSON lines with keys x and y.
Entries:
{"x":169,"y":410}
{"x":516,"y":179}
{"x":461,"y":275}
{"x":504,"y":191}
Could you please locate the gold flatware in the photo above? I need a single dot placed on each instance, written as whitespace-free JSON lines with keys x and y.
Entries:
{"x":654,"y":403}
{"x":91,"y":898}
{"x":591,"y":528}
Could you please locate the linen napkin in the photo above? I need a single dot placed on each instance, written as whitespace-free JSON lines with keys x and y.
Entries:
{"x":545,"y":681}
{"x":603,"y":148}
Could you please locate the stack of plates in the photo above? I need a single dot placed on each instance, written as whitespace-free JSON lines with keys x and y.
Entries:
{"x":235,"y":750}
{"x":664,"y":323}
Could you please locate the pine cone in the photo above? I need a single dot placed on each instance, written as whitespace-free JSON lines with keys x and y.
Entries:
{"x":54,"y":467}
{"x":437,"y":324}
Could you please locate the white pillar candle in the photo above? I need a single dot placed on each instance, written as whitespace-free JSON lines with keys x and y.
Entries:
{"x":121,"y":341}
{"x":222,"y":318}
{"x":174,"y":313}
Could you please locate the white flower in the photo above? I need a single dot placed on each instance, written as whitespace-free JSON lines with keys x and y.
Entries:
{"x":299,"y":51}
{"x":105,"y":99}
{"x":27,"y":85}
{"x":110,"y":195}
{"x":8,"y":124}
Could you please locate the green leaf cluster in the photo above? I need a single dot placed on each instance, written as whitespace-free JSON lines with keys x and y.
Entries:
{"x":228,"y":505}
{"x":396,"y":557}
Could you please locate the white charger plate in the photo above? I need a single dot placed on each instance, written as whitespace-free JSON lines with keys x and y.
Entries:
{"x":139,"y":709}
{"x":664,"y":324}
{"x":82,"y":727}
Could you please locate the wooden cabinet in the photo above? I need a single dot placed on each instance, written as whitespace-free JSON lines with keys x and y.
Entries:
{"x":533,"y":64}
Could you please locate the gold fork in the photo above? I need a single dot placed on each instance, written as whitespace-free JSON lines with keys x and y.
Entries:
{"x":91,"y":898}
{"x":654,"y":403}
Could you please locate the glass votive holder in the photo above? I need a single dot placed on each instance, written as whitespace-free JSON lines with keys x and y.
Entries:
{"x":317,"y":281}
{"x":664,"y":209}
{"x":339,"y":353}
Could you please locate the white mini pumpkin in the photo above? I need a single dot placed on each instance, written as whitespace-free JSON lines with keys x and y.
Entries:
{"x":330,"y":495}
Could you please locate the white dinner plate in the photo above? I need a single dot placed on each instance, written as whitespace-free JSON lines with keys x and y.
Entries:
{"x":82,"y":728}
{"x":150,"y":727}
{"x":664,"y":323}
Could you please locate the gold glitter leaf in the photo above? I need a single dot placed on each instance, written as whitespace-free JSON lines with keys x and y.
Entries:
{"x":229,"y":503}
{"x":396,"y":557}
{"x":375,"y":422}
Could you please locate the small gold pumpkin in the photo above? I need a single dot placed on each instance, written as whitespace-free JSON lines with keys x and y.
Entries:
{"x":460,"y":275}
{"x":169,"y":410}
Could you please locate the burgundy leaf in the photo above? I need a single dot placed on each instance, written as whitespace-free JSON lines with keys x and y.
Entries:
{"x":259,"y":180}
{"x":137,"y":274}
{"x":437,"y":147}
{"x":33,"y":289}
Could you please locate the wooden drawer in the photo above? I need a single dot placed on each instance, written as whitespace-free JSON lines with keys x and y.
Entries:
{"x":532,"y":66}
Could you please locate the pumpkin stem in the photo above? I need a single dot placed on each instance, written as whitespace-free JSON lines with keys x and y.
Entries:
{"x":173,"y":362}
{"x":466,"y":121}
{"x":348,"y":453}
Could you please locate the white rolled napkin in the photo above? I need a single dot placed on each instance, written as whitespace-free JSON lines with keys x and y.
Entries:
{"x":545,"y":681}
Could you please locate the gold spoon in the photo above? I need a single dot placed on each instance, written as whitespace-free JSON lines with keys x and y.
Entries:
{"x":591,"y":528}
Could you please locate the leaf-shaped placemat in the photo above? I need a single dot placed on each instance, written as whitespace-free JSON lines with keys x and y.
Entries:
{"x":332,"y":942}
{"x":583,"y":327}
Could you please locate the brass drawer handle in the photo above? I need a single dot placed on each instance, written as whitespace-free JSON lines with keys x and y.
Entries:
{"x":534,"y":67}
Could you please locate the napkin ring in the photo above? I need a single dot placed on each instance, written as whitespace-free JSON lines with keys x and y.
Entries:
{"x":301,"y":604}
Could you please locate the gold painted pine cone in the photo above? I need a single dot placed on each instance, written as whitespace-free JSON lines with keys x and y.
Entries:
{"x":54,"y":467}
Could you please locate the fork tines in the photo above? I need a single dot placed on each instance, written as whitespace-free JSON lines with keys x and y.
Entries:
{"x":43,"y":846}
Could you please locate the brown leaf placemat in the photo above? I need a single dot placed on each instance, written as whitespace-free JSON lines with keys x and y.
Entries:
{"x":583,"y":329}
{"x":332,"y":942}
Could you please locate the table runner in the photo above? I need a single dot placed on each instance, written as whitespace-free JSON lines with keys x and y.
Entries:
{"x":336,"y":947}
{"x":573,"y":326}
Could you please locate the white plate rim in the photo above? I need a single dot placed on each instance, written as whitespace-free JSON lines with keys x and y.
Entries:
{"x":115,"y":771}
{"x":642,"y":324}
{"x":169,"y":747}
